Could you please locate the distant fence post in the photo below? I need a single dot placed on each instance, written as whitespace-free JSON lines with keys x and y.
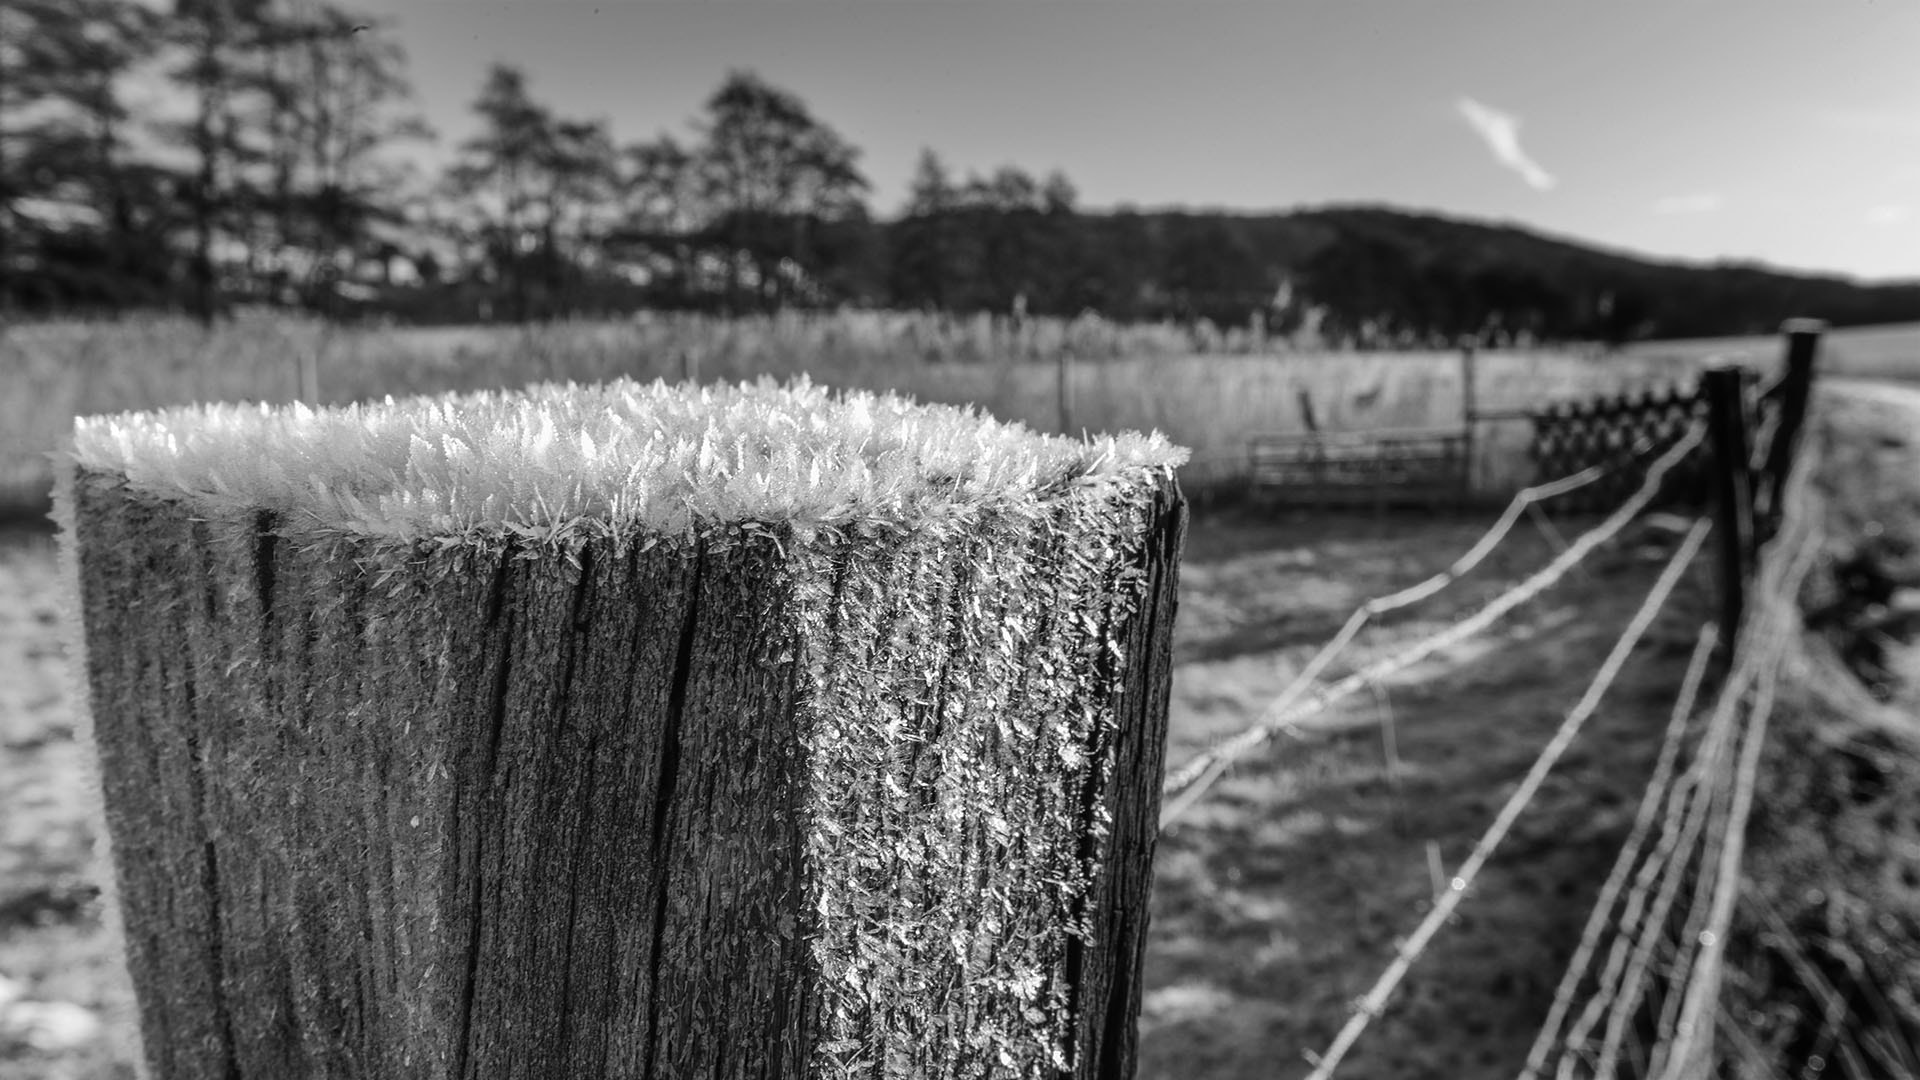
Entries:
{"x":1065,"y":391}
{"x":1725,"y":387}
{"x":307,"y":374}
{"x":1312,"y":421}
{"x":1796,"y":384}
{"x":1469,"y":415}
{"x":485,"y":779}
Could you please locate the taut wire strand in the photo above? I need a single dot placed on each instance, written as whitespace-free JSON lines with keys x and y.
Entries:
{"x":1199,"y":774}
{"x":1376,"y":998}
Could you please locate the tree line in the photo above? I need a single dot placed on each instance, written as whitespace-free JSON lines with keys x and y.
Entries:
{"x":265,"y":152}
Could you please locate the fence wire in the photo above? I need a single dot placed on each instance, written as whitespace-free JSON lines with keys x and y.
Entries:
{"x":1668,"y":906}
{"x":1375,"y":1000}
{"x":1187,"y":784}
{"x":1782,"y":568}
{"x":1658,"y":791}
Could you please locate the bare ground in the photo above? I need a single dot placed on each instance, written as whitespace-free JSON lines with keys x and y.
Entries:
{"x":52,"y":950}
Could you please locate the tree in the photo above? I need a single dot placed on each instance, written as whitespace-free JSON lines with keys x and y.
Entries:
{"x":931,"y":190}
{"x":655,"y":193}
{"x":281,"y":169}
{"x":1360,"y":282}
{"x":764,"y":152}
{"x":68,"y":186}
{"x":539,"y":191}
{"x":218,"y":37}
{"x":769,"y":171}
{"x":1057,"y":194}
{"x":1213,"y":273}
{"x":336,"y":80}
{"x":1008,"y":190}
{"x":1621,"y":316}
{"x":578,"y":170}
{"x":921,"y":258}
{"x":497,"y":176}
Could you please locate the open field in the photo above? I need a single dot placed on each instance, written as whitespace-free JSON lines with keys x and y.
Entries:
{"x":1207,"y":401}
{"x":1281,"y":897}
{"x":1889,"y":353}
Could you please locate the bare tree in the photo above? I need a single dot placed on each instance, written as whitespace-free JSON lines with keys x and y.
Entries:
{"x":768,"y":168}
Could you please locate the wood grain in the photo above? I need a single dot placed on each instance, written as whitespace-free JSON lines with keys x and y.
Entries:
{"x":497,"y":812}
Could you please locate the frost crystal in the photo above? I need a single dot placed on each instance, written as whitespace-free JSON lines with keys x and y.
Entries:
{"x":555,"y":458}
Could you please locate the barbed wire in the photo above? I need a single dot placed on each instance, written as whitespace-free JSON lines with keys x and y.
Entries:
{"x":1193,"y":779}
{"x":1525,"y":499}
{"x":1783,"y":567}
{"x":1644,"y":922}
{"x":1701,"y":835}
{"x":1701,"y":812}
{"x":1375,"y":999}
{"x":1650,"y":805}
{"x":1695,"y":807}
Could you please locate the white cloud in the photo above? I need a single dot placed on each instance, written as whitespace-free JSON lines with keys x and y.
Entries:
{"x":1889,"y":214}
{"x":1704,"y":202}
{"x":1501,"y":130}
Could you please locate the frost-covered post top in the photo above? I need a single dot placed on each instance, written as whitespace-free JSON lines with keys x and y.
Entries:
{"x":815,"y":729}
{"x":554,"y":461}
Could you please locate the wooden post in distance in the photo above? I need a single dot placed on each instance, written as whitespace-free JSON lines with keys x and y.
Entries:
{"x":1469,"y":409}
{"x":1796,"y":385}
{"x":1725,"y":387}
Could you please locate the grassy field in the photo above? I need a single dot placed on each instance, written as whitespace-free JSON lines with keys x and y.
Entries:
{"x":1184,"y":385}
{"x":1888,"y":353}
{"x":1824,"y":964}
{"x":1283,"y":895}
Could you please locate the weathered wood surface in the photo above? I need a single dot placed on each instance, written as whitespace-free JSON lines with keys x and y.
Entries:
{"x":704,"y":809}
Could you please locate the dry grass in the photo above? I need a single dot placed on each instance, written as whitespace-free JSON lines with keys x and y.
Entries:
{"x":1283,"y":896}
{"x":1860,"y":352}
{"x":1189,"y":386}
{"x":1824,"y":964}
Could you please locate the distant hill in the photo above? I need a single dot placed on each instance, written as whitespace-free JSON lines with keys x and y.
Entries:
{"x":1372,"y":275}
{"x":1360,"y":276}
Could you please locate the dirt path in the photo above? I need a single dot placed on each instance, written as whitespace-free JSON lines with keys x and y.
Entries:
{"x":53,"y":957}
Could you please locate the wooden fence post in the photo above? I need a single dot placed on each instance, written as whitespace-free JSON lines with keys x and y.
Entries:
{"x":1725,"y":387}
{"x":1065,"y":391}
{"x":1469,"y":416}
{"x":1312,"y":421}
{"x":1796,"y":384}
{"x":526,"y":736}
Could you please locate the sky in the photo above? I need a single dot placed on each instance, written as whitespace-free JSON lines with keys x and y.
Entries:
{"x":1763,"y":130}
